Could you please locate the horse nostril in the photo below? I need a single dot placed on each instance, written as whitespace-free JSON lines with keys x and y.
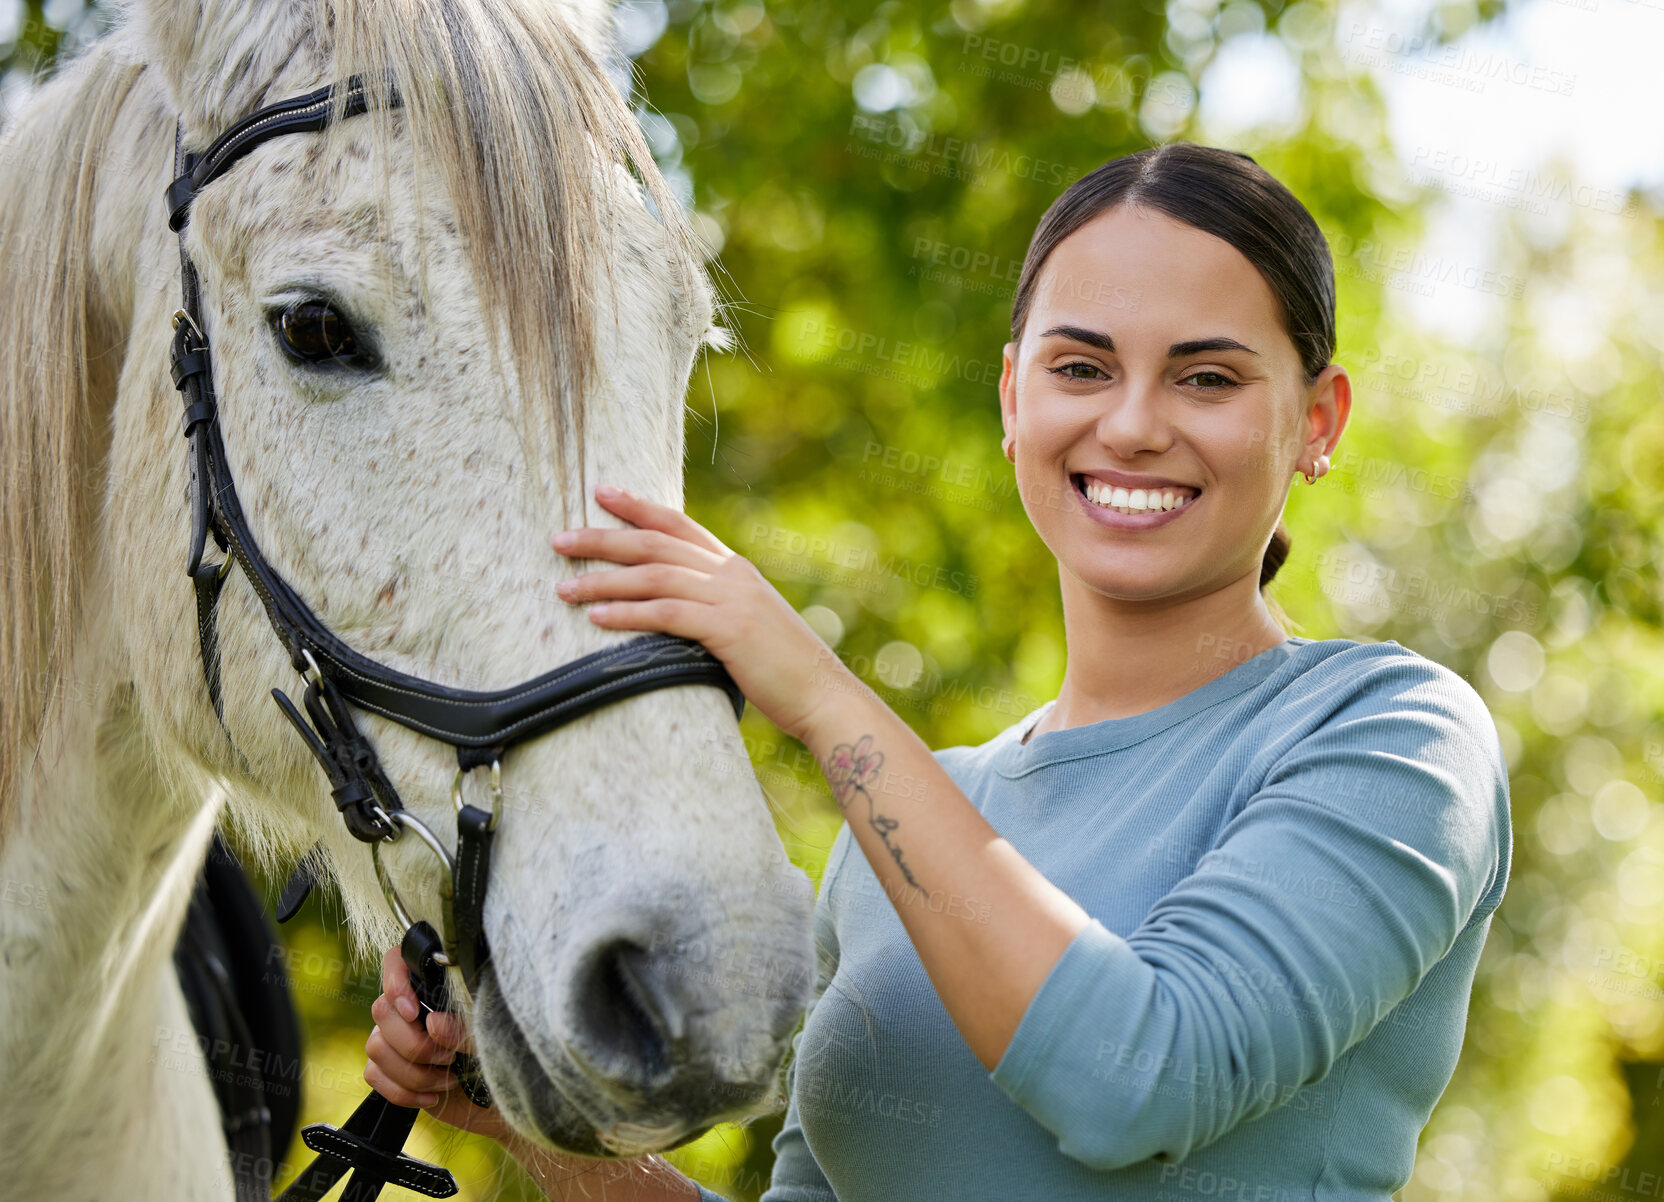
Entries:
{"x":631,"y":1018}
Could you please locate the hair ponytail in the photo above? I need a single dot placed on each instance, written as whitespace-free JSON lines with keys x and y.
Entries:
{"x":1276,"y":553}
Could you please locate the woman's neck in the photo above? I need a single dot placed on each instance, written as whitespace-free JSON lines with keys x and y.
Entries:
{"x":1124,"y":661}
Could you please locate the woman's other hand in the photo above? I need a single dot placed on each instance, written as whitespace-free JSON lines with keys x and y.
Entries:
{"x":409,"y":1060}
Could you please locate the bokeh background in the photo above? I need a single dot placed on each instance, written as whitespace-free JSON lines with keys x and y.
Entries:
{"x":1490,"y":178}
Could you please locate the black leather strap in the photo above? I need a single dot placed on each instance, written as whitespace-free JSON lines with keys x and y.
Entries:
{"x":356,"y":780}
{"x":486,"y":721}
{"x":206,"y":582}
{"x":471,"y":721}
{"x":300,"y":885}
{"x":299,"y":114}
{"x":465,"y":919}
{"x":367,"y":1146}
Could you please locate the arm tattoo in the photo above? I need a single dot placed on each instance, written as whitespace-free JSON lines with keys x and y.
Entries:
{"x":850,"y":770}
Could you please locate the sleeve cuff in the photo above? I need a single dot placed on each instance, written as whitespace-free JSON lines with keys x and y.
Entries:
{"x":706,"y":1195}
{"x":1047,"y":1043}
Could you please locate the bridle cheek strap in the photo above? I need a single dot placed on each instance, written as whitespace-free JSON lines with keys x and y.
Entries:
{"x":481,"y":726}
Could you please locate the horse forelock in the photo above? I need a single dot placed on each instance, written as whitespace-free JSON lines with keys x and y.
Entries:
{"x":506,"y":105}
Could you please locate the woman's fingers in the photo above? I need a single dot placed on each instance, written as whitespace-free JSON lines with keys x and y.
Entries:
{"x":409,"y":1053}
{"x":634,"y":546}
{"x":400,"y":1081}
{"x":667,"y":615}
{"x":640,"y":583}
{"x":408,"y":1039}
{"x":447,"y":1031}
{"x":391,"y":1079}
{"x":650,"y":515}
{"x":396,"y":987}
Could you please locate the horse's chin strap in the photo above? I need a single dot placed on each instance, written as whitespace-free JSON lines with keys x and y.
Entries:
{"x":481,"y":726}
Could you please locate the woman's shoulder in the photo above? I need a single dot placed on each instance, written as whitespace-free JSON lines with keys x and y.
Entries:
{"x":1349,"y":674}
{"x":1384,"y":734}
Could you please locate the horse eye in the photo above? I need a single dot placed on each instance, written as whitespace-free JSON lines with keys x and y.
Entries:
{"x":314,"y":331}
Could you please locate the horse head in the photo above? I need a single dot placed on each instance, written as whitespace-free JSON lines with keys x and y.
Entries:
{"x":432,"y":326}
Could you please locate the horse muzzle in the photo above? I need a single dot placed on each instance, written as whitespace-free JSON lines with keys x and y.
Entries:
{"x":654,"y":1029}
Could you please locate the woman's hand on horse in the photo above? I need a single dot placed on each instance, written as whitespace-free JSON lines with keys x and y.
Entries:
{"x":680,"y":579}
{"x":408,"y":1059}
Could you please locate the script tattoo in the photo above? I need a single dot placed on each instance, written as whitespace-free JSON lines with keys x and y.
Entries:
{"x":851,"y":768}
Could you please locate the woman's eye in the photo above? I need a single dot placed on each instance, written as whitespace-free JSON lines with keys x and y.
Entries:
{"x":1078,"y":371}
{"x":1212,"y":380}
{"x":314,"y":331}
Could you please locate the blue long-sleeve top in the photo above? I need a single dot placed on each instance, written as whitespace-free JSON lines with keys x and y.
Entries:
{"x":1290,"y":871}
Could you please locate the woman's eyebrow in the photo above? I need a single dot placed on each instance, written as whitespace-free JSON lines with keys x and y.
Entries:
{"x":1207,"y":344}
{"x":1078,"y":334}
{"x":1105,"y":343}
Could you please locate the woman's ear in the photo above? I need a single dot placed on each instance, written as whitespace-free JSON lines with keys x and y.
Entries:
{"x":1328,"y":405}
{"x":1008,"y":390}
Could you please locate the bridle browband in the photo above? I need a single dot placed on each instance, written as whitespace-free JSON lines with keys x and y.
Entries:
{"x":482,"y":726}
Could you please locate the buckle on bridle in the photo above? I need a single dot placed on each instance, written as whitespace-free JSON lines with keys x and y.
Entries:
{"x":180,"y":315}
{"x":496,"y":793}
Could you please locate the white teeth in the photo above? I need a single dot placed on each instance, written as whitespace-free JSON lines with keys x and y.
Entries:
{"x":1137,"y":500}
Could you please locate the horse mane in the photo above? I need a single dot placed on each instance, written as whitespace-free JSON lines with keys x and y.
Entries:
{"x":57,"y":383}
{"x":504,"y":105}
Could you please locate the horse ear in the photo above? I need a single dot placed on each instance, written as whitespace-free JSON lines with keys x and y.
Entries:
{"x":219,"y":59}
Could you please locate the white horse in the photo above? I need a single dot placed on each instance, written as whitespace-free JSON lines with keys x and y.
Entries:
{"x":533,"y":324}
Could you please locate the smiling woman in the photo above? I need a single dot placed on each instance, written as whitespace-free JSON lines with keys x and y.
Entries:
{"x":1205,"y":244}
{"x":1207,"y":923}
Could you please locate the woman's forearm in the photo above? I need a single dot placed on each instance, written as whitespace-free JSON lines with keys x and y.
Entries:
{"x":988,"y":926}
{"x":568,"y":1178}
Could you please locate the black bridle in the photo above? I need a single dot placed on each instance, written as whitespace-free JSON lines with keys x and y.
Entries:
{"x":482,"y":726}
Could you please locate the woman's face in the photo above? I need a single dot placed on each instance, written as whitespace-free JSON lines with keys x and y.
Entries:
{"x":1154,"y":350}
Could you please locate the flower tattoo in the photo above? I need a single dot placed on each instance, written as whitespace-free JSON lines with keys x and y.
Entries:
{"x":849,"y":770}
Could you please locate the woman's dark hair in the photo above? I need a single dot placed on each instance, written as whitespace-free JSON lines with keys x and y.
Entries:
{"x":1226,"y":194}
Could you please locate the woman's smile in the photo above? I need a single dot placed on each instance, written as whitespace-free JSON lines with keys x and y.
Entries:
{"x":1131,"y":509}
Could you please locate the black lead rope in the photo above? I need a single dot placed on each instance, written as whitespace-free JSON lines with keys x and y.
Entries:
{"x":481,"y":726}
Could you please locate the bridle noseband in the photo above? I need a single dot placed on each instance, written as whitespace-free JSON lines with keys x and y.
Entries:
{"x":482,"y":726}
